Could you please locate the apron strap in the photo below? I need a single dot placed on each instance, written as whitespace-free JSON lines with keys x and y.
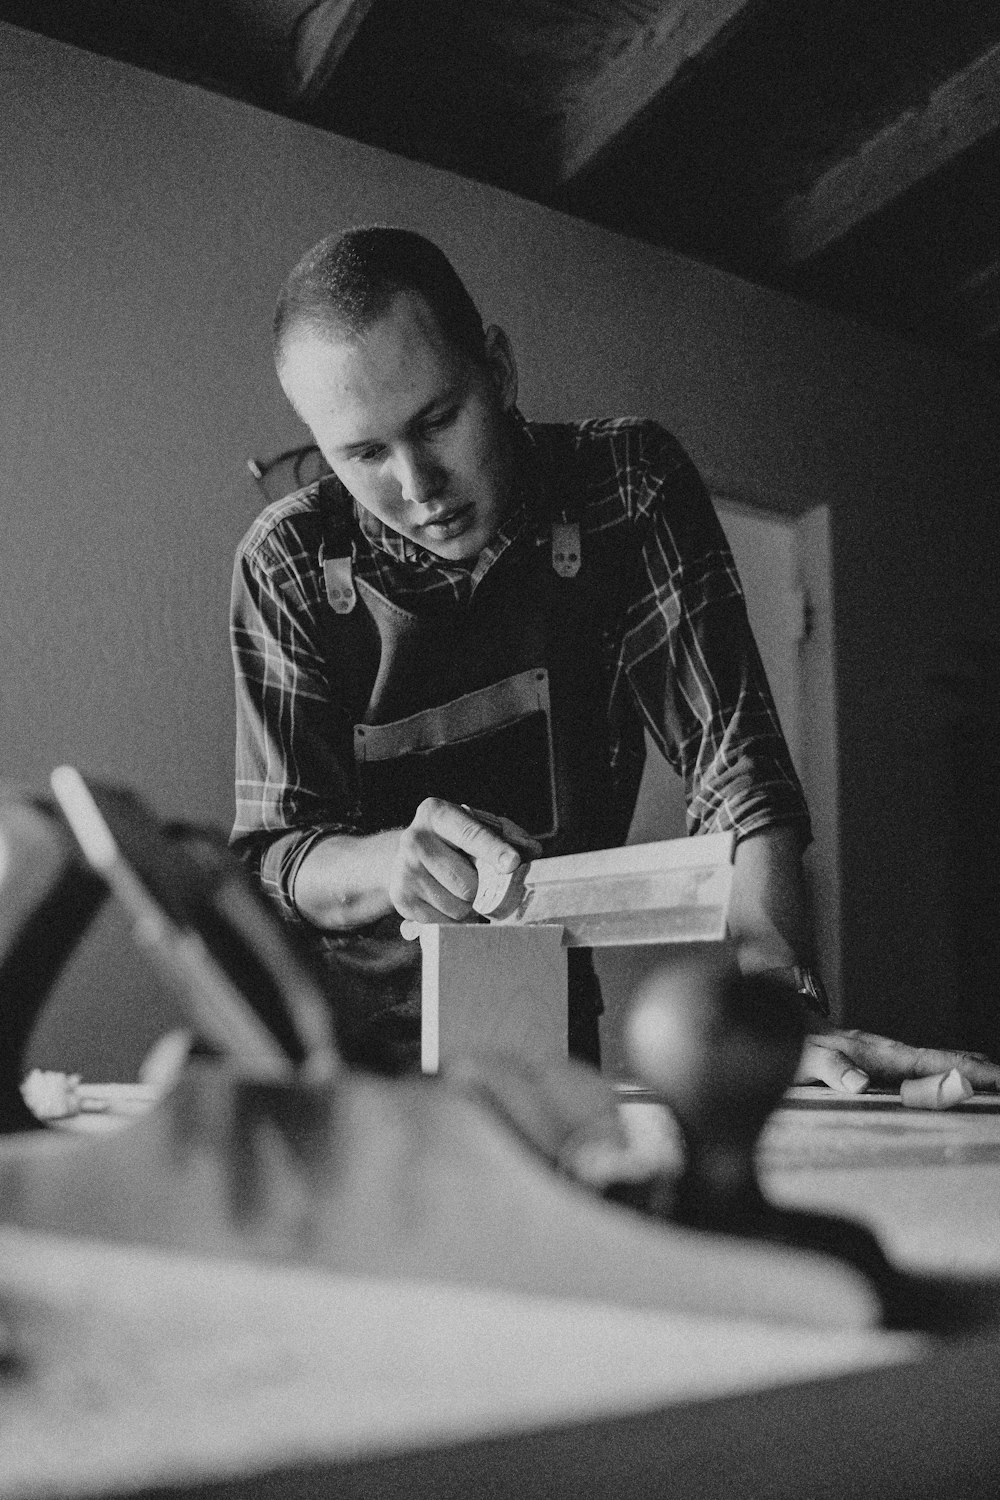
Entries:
{"x":336,"y":553}
{"x":567,"y":501}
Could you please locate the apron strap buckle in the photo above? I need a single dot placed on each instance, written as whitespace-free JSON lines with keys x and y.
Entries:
{"x":336,"y":555}
{"x":338,"y":573}
{"x":566,"y":547}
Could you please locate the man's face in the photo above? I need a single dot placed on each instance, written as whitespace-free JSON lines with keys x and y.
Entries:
{"x":415,"y":430}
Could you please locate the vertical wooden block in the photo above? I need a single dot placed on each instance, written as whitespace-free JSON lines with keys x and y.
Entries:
{"x":487,"y":988}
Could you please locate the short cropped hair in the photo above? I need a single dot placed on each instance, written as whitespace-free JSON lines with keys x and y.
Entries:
{"x":346,"y":281}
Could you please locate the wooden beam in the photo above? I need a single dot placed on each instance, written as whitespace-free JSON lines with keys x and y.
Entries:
{"x":986,"y":332}
{"x":636,"y":77}
{"x":923,"y":139}
{"x":322,"y":34}
{"x":976,"y":303}
{"x":674,"y":891}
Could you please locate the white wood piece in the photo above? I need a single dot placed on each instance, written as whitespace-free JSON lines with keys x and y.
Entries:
{"x":676,"y":891}
{"x":940,"y":1091}
{"x":964,"y":109}
{"x":487,"y":989}
{"x":634,"y":79}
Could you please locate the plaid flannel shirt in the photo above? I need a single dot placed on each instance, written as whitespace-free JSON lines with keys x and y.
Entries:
{"x":680,"y":662}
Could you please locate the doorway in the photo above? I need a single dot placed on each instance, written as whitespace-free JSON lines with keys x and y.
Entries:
{"x":784,"y":564}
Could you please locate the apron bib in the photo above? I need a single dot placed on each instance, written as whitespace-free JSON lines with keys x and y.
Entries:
{"x":499,"y":703}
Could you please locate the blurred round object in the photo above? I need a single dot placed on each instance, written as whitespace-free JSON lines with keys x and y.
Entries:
{"x":720,"y":1050}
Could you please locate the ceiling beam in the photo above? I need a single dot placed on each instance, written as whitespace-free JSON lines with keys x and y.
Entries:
{"x":960,"y":112}
{"x":975,"y":303}
{"x":629,"y":84}
{"x":322,"y":34}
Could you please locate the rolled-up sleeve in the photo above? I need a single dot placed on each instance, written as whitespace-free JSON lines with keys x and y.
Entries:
{"x":692,"y":663}
{"x":293,"y":738}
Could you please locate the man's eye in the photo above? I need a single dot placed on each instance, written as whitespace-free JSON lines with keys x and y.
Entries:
{"x":440,"y":420}
{"x":368,"y":455}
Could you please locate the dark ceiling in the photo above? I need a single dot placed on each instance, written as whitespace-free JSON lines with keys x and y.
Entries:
{"x":847,"y":151}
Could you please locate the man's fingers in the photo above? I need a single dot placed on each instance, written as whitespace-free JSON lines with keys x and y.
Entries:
{"x":447,"y":873}
{"x":981,"y":1073}
{"x":893,"y":1061}
{"x":441,"y":858}
{"x":824,"y":1064}
{"x":461,"y":829}
{"x":429,"y":899}
{"x":890,"y":1061}
{"x":507,"y":829}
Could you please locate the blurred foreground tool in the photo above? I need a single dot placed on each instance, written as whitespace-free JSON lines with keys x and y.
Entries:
{"x":445,"y":1182}
{"x":271,"y":1021}
{"x":247,"y":986}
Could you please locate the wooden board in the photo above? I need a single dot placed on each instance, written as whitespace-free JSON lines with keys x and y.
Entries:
{"x":142,"y":1373}
{"x":139,"y":1370}
{"x":927,"y":1182}
{"x":813,"y":1096}
{"x":487,"y":989}
{"x":674,"y":891}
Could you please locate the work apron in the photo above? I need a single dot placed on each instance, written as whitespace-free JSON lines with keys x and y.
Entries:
{"x":500,"y":703}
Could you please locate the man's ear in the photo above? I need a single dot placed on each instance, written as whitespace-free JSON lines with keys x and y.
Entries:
{"x":501,"y":364}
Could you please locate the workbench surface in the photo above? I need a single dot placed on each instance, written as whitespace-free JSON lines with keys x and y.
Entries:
{"x":139,"y":1371}
{"x":927,"y":1181}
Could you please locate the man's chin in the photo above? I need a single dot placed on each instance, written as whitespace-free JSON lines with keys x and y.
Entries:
{"x":464,"y":546}
{"x":456,"y":552}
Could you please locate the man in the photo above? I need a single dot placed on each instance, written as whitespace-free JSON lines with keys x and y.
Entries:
{"x":474,"y":619}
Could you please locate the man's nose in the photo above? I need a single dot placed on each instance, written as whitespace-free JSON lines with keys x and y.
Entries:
{"x":420,"y":476}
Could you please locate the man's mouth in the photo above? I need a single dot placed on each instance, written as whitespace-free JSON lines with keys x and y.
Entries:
{"x":449,"y":522}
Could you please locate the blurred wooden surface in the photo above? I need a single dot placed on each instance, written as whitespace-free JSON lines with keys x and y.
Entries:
{"x":133,"y":1370}
{"x":140,"y":1372}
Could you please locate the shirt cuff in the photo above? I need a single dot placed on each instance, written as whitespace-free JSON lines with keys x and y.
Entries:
{"x":280,"y":862}
{"x":760,"y":824}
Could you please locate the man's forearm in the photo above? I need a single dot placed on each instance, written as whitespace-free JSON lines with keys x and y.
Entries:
{"x":343,"y":881}
{"x":767,"y":918}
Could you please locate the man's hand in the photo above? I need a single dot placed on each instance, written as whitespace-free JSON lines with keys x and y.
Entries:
{"x":434,"y":876}
{"x":851,"y":1060}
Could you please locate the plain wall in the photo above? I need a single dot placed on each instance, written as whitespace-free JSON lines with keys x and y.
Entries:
{"x":146,"y":226}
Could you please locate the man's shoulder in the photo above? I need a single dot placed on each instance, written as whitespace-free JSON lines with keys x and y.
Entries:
{"x":599,"y":432}
{"x":286,"y":529}
{"x":617,"y":462}
{"x":642,"y":441}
